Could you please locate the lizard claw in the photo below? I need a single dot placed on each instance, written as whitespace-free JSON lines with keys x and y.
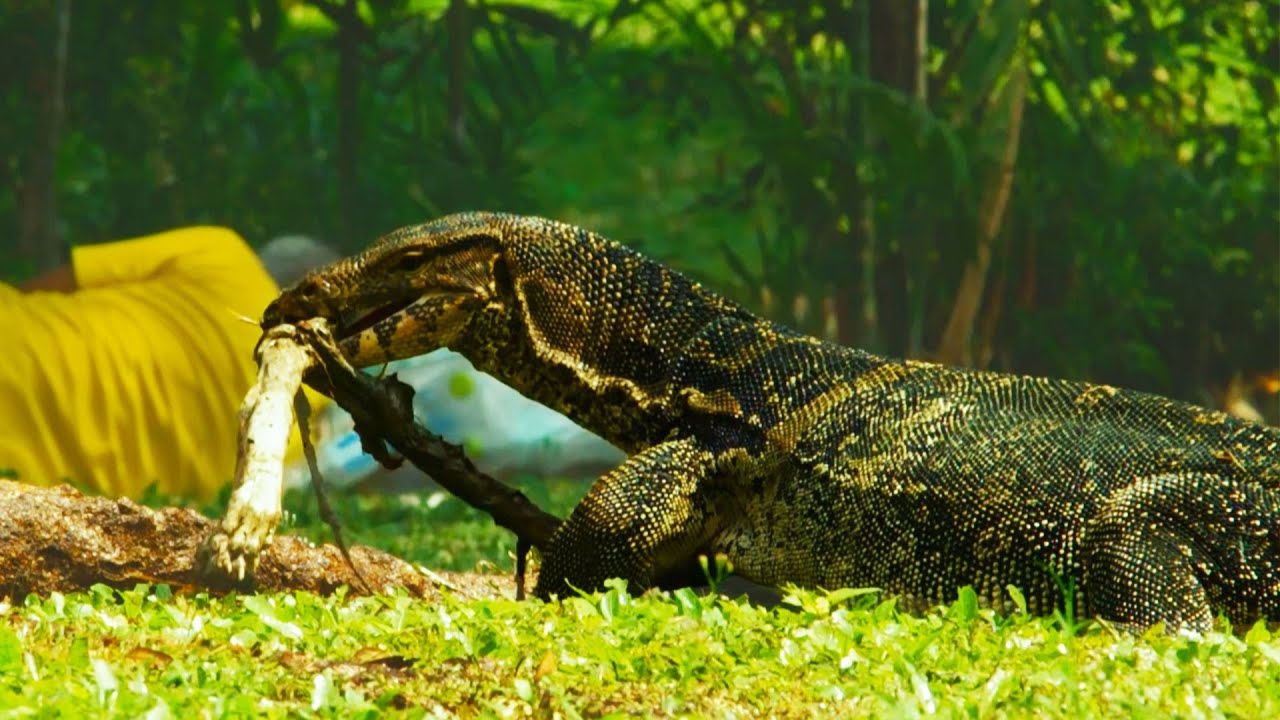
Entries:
{"x":245,"y":533}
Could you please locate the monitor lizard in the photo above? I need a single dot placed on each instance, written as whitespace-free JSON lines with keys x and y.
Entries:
{"x":816,"y":464}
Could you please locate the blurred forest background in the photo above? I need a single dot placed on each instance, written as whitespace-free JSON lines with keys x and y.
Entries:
{"x":1089,"y":190}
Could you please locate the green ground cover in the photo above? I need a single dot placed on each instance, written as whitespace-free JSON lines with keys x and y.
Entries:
{"x":149,"y":653}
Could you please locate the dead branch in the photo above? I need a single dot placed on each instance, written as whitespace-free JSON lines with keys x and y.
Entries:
{"x":383,"y":410}
{"x":302,"y":411}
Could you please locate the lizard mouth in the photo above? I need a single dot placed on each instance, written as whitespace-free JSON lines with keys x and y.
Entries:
{"x":353,"y":324}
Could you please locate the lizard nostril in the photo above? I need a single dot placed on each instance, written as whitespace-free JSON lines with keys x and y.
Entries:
{"x":310,"y":295}
{"x":304,"y":300}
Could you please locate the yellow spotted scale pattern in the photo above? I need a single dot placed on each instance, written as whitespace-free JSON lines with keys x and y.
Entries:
{"x":816,"y":464}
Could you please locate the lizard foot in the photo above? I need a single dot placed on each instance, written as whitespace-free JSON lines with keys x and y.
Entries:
{"x":245,"y":533}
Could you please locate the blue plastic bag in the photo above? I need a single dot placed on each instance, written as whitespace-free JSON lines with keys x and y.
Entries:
{"x":505,"y":434}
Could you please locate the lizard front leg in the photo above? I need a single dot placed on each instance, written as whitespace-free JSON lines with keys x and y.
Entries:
{"x":638,"y":521}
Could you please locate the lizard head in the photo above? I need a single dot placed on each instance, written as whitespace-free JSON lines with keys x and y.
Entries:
{"x":411,"y":292}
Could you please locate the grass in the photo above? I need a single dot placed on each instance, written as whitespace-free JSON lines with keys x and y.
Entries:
{"x":148,"y":653}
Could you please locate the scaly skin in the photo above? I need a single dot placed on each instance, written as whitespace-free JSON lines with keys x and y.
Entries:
{"x":816,"y":464}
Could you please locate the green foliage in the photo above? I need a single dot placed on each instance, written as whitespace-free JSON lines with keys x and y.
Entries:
{"x":1152,"y":176}
{"x":782,"y":152}
{"x":146,"y":652}
{"x":847,"y":652}
{"x":431,"y":526}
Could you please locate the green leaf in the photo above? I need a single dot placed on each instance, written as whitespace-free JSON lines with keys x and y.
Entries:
{"x":266,"y":611}
{"x":10,"y":653}
{"x":1258,"y":633}
{"x":835,"y":597}
{"x":966,"y":604}
{"x":1019,"y":600}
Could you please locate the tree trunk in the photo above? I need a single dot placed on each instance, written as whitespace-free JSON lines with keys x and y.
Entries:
{"x":37,"y":186}
{"x":457,"y":24}
{"x":954,"y":347}
{"x":350,"y":34}
{"x":898,"y":44}
{"x":869,"y":254}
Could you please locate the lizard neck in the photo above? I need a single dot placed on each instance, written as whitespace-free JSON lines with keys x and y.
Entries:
{"x":598,"y":347}
{"x":631,"y":421}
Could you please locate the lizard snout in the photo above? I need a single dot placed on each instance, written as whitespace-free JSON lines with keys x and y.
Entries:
{"x":307,"y":299}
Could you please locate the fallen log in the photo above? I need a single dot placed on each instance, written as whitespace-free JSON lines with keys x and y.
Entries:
{"x":58,"y":539}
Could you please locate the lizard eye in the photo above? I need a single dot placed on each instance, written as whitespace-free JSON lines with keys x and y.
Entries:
{"x":408,"y":261}
{"x":311,"y":289}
